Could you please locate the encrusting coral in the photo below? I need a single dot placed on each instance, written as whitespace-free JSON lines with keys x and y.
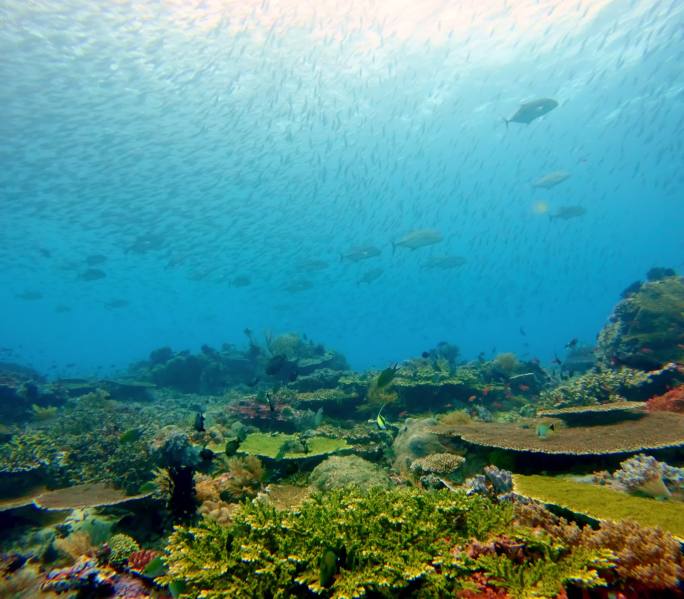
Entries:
{"x":338,"y":471}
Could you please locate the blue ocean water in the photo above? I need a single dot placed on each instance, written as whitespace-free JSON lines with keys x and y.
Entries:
{"x":174,"y":172}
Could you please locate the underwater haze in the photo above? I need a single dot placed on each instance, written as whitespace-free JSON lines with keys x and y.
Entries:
{"x":175,"y":172}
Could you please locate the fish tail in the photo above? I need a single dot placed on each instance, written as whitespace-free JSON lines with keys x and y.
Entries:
{"x":505,"y":120}
{"x":341,"y":257}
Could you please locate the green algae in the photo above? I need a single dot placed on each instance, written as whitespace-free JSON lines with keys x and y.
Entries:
{"x":275,"y":446}
{"x":601,"y":503}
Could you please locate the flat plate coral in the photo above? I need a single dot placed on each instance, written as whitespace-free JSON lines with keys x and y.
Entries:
{"x":653,"y":431}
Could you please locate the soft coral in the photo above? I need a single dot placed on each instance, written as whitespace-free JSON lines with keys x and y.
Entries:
{"x":672,"y":401}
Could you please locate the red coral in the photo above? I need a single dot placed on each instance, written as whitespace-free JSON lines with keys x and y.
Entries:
{"x":138,"y":560}
{"x":672,"y":401}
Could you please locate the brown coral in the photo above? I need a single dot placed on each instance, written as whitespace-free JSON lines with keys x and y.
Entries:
{"x":138,"y":560}
{"x":652,"y":431}
{"x":246,"y":476}
{"x":437,"y":463}
{"x":75,"y":545}
{"x":82,"y":496}
{"x":648,"y":558}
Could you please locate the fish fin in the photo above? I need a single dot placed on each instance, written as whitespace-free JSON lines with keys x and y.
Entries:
{"x":505,"y":120}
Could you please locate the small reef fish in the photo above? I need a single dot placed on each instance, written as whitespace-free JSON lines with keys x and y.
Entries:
{"x":381,"y":421}
{"x":199,"y":422}
{"x":444,"y":262}
{"x":358,"y":253}
{"x":327,"y":568}
{"x":92,"y":274}
{"x":529,"y":111}
{"x":571,"y":344}
{"x":386,"y":376}
{"x":279,"y":366}
{"x":568,"y":212}
{"x":418,"y":239}
{"x":232,"y":446}
{"x":117,"y":303}
{"x":130,"y":436}
{"x":370,"y":276}
{"x":544,"y":430}
{"x":551,"y":179}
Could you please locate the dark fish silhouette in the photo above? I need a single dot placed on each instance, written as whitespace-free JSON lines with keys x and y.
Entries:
{"x":95,"y":259}
{"x":29,"y":295}
{"x":92,"y":274}
{"x":568,"y":212}
{"x":529,"y":111}
{"x":199,"y":422}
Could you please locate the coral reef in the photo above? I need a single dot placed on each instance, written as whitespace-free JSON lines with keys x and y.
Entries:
{"x":601,"y":503}
{"x":647,"y":559}
{"x":646,"y":329}
{"x":432,"y":470}
{"x":416,"y":439}
{"x":339,"y":471}
{"x":644,"y":475}
{"x":386,"y":542}
{"x":121,"y":546}
{"x":290,"y":447}
{"x":594,"y":387}
{"x":652,"y":431}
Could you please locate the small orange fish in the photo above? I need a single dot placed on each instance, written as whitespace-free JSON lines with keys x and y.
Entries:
{"x":472,"y":398}
{"x":523,"y":388}
{"x":646,"y":350}
{"x":485,"y":391}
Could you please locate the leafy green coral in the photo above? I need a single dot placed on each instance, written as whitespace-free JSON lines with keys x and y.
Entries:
{"x":602,"y":503}
{"x":384,"y":542}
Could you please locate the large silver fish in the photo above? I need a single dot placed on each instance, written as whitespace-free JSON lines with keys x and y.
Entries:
{"x":444,"y":262}
{"x":529,"y":111}
{"x":568,"y":212}
{"x":370,"y":276}
{"x":418,"y":239}
{"x":359,"y":253}
{"x":551,"y":179}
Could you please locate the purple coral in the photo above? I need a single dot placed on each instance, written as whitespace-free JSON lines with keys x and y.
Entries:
{"x":644,"y":474}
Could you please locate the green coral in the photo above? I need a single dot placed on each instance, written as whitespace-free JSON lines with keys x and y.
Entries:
{"x":385,"y":542}
{"x":602,"y":503}
{"x":646,"y":328}
{"x":121,"y":546}
{"x":289,"y":447}
{"x":550,"y":567}
{"x":593,"y":387}
{"x":339,"y":471}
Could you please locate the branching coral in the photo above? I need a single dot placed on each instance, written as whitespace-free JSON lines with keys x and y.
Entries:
{"x":382,"y":542}
{"x":121,"y":546}
{"x":593,"y":387}
{"x":648,"y":559}
{"x":245,"y":478}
